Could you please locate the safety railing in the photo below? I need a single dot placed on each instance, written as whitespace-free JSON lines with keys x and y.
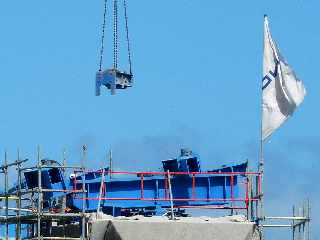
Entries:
{"x":247,"y":186}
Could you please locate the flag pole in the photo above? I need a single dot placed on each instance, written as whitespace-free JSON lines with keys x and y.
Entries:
{"x":260,"y":210}
{"x":261,"y":166}
{"x":292,"y":93}
{"x":260,"y":205}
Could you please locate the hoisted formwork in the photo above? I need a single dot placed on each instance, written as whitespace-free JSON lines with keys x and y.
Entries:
{"x":114,"y":78}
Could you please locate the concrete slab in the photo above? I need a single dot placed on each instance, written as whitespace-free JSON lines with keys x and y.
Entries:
{"x":161,"y":228}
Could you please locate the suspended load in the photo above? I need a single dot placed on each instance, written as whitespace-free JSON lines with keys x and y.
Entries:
{"x":114,"y":78}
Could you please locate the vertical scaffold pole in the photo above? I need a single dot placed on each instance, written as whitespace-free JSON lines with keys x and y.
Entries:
{"x":19,"y":196}
{"x":304,"y":214}
{"x":101,"y":190}
{"x":251,"y":195}
{"x":309,"y":220}
{"x":64,"y":161}
{"x":83,"y":222}
{"x":171,"y":197}
{"x":6,"y":182}
{"x":260,"y":203}
{"x":64,"y":203}
{"x":39,"y":212}
{"x":293,"y":222}
{"x":110,"y":163}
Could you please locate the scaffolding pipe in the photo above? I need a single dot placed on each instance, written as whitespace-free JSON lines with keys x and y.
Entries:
{"x":39,"y":196}
{"x":19,"y":196}
{"x":293,"y":228}
{"x":288,"y":218}
{"x":171,"y":197}
{"x":309,"y":222}
{"x":110,"y":163}
{"x":84,"y":148}
{"x":62,"y":215}
{"x":17,"y":209}
{"x":299,"y":224}
{"x":276,"y":225}
{"x":54,"y":238}
{"x":6,"y":192}
{"x":47,"y":166}
{"x":64,"y":203}
{"x":101,"y":189}
{"x":13,"y":164}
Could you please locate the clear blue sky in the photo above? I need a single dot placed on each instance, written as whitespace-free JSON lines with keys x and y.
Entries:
{"x":197,"y":68}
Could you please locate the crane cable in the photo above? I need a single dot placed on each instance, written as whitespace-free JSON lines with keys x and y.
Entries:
{"x":103,"y":35}
{"x":115,"y":35}
{"x":127,"y":35}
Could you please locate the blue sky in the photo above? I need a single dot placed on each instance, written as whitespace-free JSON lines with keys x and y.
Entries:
{"x":197,"y":72}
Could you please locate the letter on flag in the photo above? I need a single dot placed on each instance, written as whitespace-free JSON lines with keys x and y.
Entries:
{"x":282,"y":91}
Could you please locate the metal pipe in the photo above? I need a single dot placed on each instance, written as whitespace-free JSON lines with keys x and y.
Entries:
{"x":100,"y":192}
{"x":60,"y":190}
{"x":141,"y":187}
{"x":193,"y":186}
{"x":287,"y":218}
{"x":276,"y":225}
{"x":49,"y":166}
{"x":248,"y":203}
{"x":308,"y":215}
{"x":171,"y":197}
{"x":19,"y":196}
{"x":17,"y":209}
{"x":300,"y":223}
{"x":64,"y":200}
{"x":212,"y":207}
{"x":110,"y":163}
{"x":13,"y":164}
{"x":168,"y":198}
{"x":231,"y":191}
{"x":62,"y":214}
{"x":39,"y":196}
{"x":177,"y":173}
{"x":84,"y":148}
{"x":293,"y":228}
{"x":24,"y":192}
{"x":6,"y":192}
{"x":57,"y":238}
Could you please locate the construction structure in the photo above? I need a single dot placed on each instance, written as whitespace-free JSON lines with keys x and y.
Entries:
{"x":107,"y":204}
{"x":53,"y":200}
{"x":28,"y":209}
{"x":113,"y":78}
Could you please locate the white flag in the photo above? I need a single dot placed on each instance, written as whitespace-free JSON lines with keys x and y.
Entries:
{"x":282,"y":91}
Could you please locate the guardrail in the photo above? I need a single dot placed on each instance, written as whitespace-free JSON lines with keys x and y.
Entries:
{"x":195,"y":198}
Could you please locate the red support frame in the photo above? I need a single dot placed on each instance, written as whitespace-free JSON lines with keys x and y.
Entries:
{"x":231,"y":186}
{"x":246,"y":199}
{"x":142,"y":187}
{"x":166,"y":186}
{"x":193,"y":187}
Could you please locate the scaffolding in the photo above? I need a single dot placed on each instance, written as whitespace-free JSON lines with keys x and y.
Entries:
{"x":31,"y":214}
{"x":23,"y":208}
{"x":299,"y":222}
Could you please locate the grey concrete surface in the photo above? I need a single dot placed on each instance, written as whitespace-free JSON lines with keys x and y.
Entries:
{"x":160,"y":228}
